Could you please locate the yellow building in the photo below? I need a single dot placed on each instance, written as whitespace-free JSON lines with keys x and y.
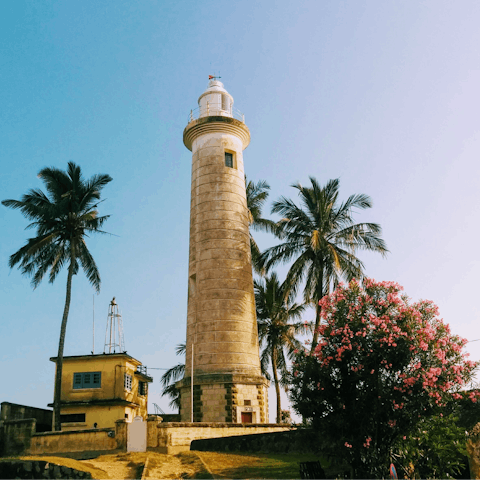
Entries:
{"x":97,"y":390}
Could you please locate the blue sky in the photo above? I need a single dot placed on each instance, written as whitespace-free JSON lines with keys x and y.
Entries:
{"x":383,"y":95}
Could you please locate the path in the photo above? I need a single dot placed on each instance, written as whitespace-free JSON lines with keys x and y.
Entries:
{"x":130,"y":465}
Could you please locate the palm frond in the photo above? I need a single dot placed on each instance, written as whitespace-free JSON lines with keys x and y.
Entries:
{"x":173,"y":374}
{"x":321,"y":238}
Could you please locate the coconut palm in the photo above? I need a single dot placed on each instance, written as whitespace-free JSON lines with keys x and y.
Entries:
{"x":322,"y":239}
{"x":257,"y":194}
{"x":171,"y":376}
{"x":63,"y":218}
{"x":276,"y":334}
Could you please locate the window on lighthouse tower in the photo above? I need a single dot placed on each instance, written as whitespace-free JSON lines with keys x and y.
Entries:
{"x":229,"y":159}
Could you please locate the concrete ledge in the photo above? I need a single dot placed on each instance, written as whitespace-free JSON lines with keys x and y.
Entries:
{"x":73,"y":432}
{"x":224,"y":425}
{"x":20,"y":420}
{"x":87,"y":455}
{"x":227,"y":125}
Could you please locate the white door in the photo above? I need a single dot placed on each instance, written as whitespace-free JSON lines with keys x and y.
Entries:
{"x":137,"y":435}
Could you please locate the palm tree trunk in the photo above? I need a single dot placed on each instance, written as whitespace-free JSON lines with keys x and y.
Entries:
{"x":318,"y":313}
{"x":318,"y":310}
{"x":277,"y":385}
{"x":61,"y":343}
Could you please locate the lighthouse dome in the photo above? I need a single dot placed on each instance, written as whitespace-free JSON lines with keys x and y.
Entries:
{"x":215,"y":100}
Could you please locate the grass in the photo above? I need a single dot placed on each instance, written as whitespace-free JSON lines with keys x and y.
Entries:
{"x":193,"y":460}
{"x":247,"y":465}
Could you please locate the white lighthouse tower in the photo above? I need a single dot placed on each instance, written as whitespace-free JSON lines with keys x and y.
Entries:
{"x":221,"y":323}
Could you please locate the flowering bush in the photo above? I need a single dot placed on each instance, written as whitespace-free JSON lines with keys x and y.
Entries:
{"x":381,"y":365}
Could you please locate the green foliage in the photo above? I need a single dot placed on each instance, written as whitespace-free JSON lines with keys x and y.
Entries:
{"x":286,"y":417}
{"x":321,"y":239}
{"x":435,"y":448}
{"x":63,"y":218}
{"x":257,"y":194}
{"x":171,"y":376}
{"x":381,"y":366}
{"x":467,"y":411}
{"x":276,"y":331}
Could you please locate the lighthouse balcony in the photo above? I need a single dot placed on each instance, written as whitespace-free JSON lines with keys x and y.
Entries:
{"x":215,"y":110}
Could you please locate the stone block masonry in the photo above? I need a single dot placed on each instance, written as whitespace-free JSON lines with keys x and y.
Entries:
{"x":302,"y":440}
{"x":38,"y":469}
{"x":222,"y":332}
{"x":222,"y":398}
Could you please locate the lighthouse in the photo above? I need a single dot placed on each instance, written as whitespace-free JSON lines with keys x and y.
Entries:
{"x":223,"y":381}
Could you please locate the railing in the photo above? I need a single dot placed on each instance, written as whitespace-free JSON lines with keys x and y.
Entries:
{"x":215,"y":109}
{"x":142,"y":369}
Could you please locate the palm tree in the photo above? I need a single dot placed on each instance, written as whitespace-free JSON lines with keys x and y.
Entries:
{"x":257,"y":194}
{"x":275,"y":309}
{"x":322,"y":239}
{"x":171,"y":376}
{"x":63,"y":218}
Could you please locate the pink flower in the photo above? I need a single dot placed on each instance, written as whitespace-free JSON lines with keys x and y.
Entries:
{"x":348,"y":445}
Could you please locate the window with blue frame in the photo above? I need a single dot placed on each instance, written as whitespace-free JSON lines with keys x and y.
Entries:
{"x":87,"y":380}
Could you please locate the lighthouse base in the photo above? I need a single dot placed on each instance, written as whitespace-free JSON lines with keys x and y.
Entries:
{"x":224,"y":398}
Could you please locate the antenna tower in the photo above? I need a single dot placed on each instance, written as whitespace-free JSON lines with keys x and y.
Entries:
{"x":114,"y":341}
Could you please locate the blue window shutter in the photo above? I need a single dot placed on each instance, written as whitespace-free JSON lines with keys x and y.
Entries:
{"x":77,"y":380}
{"x":87,"y":380}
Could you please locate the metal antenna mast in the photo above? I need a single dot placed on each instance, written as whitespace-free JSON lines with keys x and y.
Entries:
{"x":114,"y":333}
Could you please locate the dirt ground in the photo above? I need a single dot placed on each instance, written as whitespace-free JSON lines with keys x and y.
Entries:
{"x":206,"y":465}
{"x":192,"y":464}
{"x":130,"y":465}
{"x":115,"y":466}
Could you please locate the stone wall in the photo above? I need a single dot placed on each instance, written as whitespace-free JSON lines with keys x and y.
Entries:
{"x":161,"y":437}
{"x":14,"y":411}
{"x":300,"y":441}
{"x":170,"y":417}
{"x":15,"y":436}
{"x":98,"y":440}
{"x":38,"y":469}
{"x":173,"y":438}
{"x":18,"y":423}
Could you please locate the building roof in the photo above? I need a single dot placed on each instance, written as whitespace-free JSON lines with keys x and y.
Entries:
{"x":97,"y":356}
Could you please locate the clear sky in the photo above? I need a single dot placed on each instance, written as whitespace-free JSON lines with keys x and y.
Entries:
{"x":383,"y":95}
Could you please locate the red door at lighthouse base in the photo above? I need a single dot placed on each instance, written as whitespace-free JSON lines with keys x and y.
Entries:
{"x":246,"y":417}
